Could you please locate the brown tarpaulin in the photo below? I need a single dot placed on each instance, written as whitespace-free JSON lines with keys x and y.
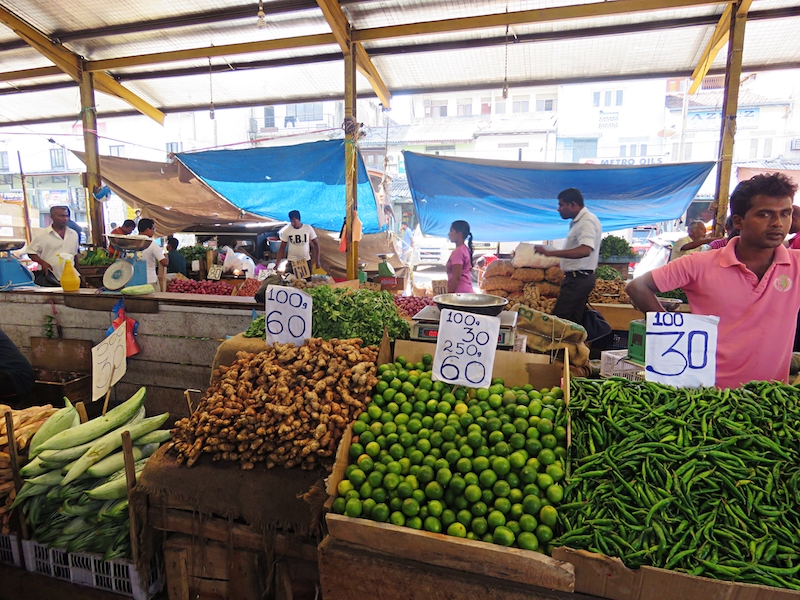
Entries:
{"x":334,"y":262}
{"x":168,"y":193}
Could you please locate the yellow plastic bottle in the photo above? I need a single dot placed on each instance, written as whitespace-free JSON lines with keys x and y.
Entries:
{"x":70,"y":280}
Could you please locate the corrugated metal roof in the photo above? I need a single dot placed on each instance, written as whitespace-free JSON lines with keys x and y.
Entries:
{"x":653,"y":43}
{"x":456,"y":129}
{"x":516,"y":126}
{"x":777,"y":163}
{"x":400,"y":187}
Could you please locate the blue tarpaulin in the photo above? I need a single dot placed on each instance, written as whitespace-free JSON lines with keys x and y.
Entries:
{"x":272,"y":181}
{"x":505,"y":201}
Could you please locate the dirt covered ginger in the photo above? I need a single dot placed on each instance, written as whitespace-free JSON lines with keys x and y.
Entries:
{"x":287,"y":405}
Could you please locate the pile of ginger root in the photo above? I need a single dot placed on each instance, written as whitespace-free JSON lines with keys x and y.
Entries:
{"x":288,"y":405}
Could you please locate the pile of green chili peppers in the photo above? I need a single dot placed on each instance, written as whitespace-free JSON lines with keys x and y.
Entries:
{"x":698,"y":481}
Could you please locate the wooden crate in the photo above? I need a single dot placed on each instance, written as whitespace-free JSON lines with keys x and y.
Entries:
{"x":296,"y":575}
{"x":525,"y":567}
{"x":206,"y":570}
{"x":350,"y":571}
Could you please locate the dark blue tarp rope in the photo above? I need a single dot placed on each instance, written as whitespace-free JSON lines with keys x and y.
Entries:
{"x":505,"y":201}
{"x":272,"y":181}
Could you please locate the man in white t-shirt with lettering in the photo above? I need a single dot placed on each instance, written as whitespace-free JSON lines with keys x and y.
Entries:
{"x":302,"y":242}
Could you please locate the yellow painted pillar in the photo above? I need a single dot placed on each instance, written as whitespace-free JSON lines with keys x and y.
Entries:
{"x":351,"y":170}
{"x":89,"y":119}
{"x":730,"y":104}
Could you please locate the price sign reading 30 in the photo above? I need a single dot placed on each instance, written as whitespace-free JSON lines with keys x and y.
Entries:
{"x":465,"y":348}
{"x":288,"y":315}
{"x":681,"y":349}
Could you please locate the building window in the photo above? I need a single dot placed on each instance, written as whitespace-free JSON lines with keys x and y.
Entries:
{"x":607,"y":99}
{"x":6,"y":180}
{"x":521,"y":104}
{"x":464,"y":107}
{"x":623,"y":150}
{"x":676,"y":151}
{"x":619,"y":97}
{"x":309,"y":111}
{"x":547,"y":105}
{"x":643,"y":150}
{"x":768,"y":148}
{"x":445,"y":150}
{"x":59,"y":179}
{"x":486,"y":106}
{"x":269,"y":116}
{"x":633,"y":149}
{"x":608,"y":120}
{"x":687,"y":151}
{"x":4,"y":161}
{"x":754,"y":148}
{"x":436,"y":108}
{"x":116,"y":151}
{"x":58,"y":161}
{"x":596,"y":99}
{"x":500,"y":107}
{"x":174,"y":147}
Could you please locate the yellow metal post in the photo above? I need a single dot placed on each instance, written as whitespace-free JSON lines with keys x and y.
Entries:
{"x":351,"y":171}
{"x":730,"y":104}
{"x":89,"y":119}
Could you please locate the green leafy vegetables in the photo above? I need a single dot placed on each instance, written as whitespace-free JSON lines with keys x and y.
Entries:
{"x":613,"y":245}
{"x":346,"y":313}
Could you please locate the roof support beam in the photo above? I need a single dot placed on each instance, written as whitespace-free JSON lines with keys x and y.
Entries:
{"x":730,"y":106}
{"x":74,"y":65}
{"x":302,"y":41}
{"x":523,"y":17}
{"x":341,"y":31}
{"x":718,"y":40}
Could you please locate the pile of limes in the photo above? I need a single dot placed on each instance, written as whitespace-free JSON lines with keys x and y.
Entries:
{"x":483,"y":464}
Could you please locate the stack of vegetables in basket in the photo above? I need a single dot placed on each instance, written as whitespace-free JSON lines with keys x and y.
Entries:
{"x":75,"y":492}
{"x":26,"y":423}
{"x":534,"y":281}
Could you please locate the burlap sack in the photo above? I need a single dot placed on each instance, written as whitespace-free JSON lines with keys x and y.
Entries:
{"x":499,"y":268}
{"x":529,"y":275}
{"x":502,"y":283}
{"x":554,"y":275}
{"x":548,"y":289}
{"x":546,"y":333}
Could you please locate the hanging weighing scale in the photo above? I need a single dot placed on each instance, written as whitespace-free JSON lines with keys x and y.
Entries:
{"x":425,"y":327}
{"x":386,"y":274}
{"x":12,"y":272}
{"x":131,"y":268}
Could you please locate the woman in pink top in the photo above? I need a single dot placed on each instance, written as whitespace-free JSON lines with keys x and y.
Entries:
{"x":459,"y":265}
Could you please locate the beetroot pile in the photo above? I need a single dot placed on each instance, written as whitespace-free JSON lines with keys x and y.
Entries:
{"x":190,"y":286}
{"x":408,"y":306}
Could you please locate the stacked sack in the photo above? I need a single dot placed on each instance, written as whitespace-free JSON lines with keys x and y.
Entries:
{"x":530,"y":278}
{"x":609,"y":292}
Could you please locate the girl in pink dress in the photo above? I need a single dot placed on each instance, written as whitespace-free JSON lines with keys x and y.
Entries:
{"x":459,"y":265}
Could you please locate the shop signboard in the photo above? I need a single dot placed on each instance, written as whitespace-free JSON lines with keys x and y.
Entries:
{"x":50,"y":198}
{"x":704,"y":120}
{"x":11,"y":196}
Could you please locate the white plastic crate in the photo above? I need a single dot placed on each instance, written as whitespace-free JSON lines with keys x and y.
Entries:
{"x":9,"y":550}
{"x":615,"y":364}
{"x":119,"y":576}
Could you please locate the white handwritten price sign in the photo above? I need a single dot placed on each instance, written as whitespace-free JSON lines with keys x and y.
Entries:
{"x":215,"y":272}
{"x":108,"y":362}
{"x":465,"y":348}
{"x":288,"y":315}
{"x":681,"y":349}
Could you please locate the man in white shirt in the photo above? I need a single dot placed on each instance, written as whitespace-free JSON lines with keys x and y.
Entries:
{"x":302,"y":241}
{"x":578,"y":258}
{"x":153,"y":254}
{"x":48,"y":243}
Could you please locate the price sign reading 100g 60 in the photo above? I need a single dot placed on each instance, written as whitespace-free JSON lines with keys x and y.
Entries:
{"x":288,"y":317}
{"x":465,"y":348}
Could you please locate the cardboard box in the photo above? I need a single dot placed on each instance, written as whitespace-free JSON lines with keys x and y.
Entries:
{"x":393,"y":284}
{"x":605,"y":577}
{"x":439,"y":286}
{"x":545,"y":375}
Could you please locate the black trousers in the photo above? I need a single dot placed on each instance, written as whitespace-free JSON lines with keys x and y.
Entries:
{"x":571,"y":302}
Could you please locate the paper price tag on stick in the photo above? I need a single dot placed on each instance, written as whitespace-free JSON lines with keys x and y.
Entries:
{"x":215,"y":272}
{"x":288,"y":318}
{"x":108,"y":362}
{"x":300,"y":269}
{"x":465,"y":348}
{"x":681,"y":349}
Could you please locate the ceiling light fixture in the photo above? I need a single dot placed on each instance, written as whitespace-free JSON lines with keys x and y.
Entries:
{"x":261,"y":23}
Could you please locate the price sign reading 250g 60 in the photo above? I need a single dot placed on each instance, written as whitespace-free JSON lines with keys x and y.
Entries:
{"x":681,"y":349}
{"x":465,"y":348}
{"x":288,"y":315}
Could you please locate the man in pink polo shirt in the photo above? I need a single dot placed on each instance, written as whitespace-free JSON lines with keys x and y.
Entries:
{"x":751,"y":284}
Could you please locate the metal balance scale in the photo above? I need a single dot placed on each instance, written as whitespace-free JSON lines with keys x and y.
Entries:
{"x":425,"y":327}
{"x":131,"y":268}
{"x":12,"y":272}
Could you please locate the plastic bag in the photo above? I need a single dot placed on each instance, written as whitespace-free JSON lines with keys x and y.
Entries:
{"x":131,"y":326}
{"x":238,"y":261}
{"x":526,"y":256}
